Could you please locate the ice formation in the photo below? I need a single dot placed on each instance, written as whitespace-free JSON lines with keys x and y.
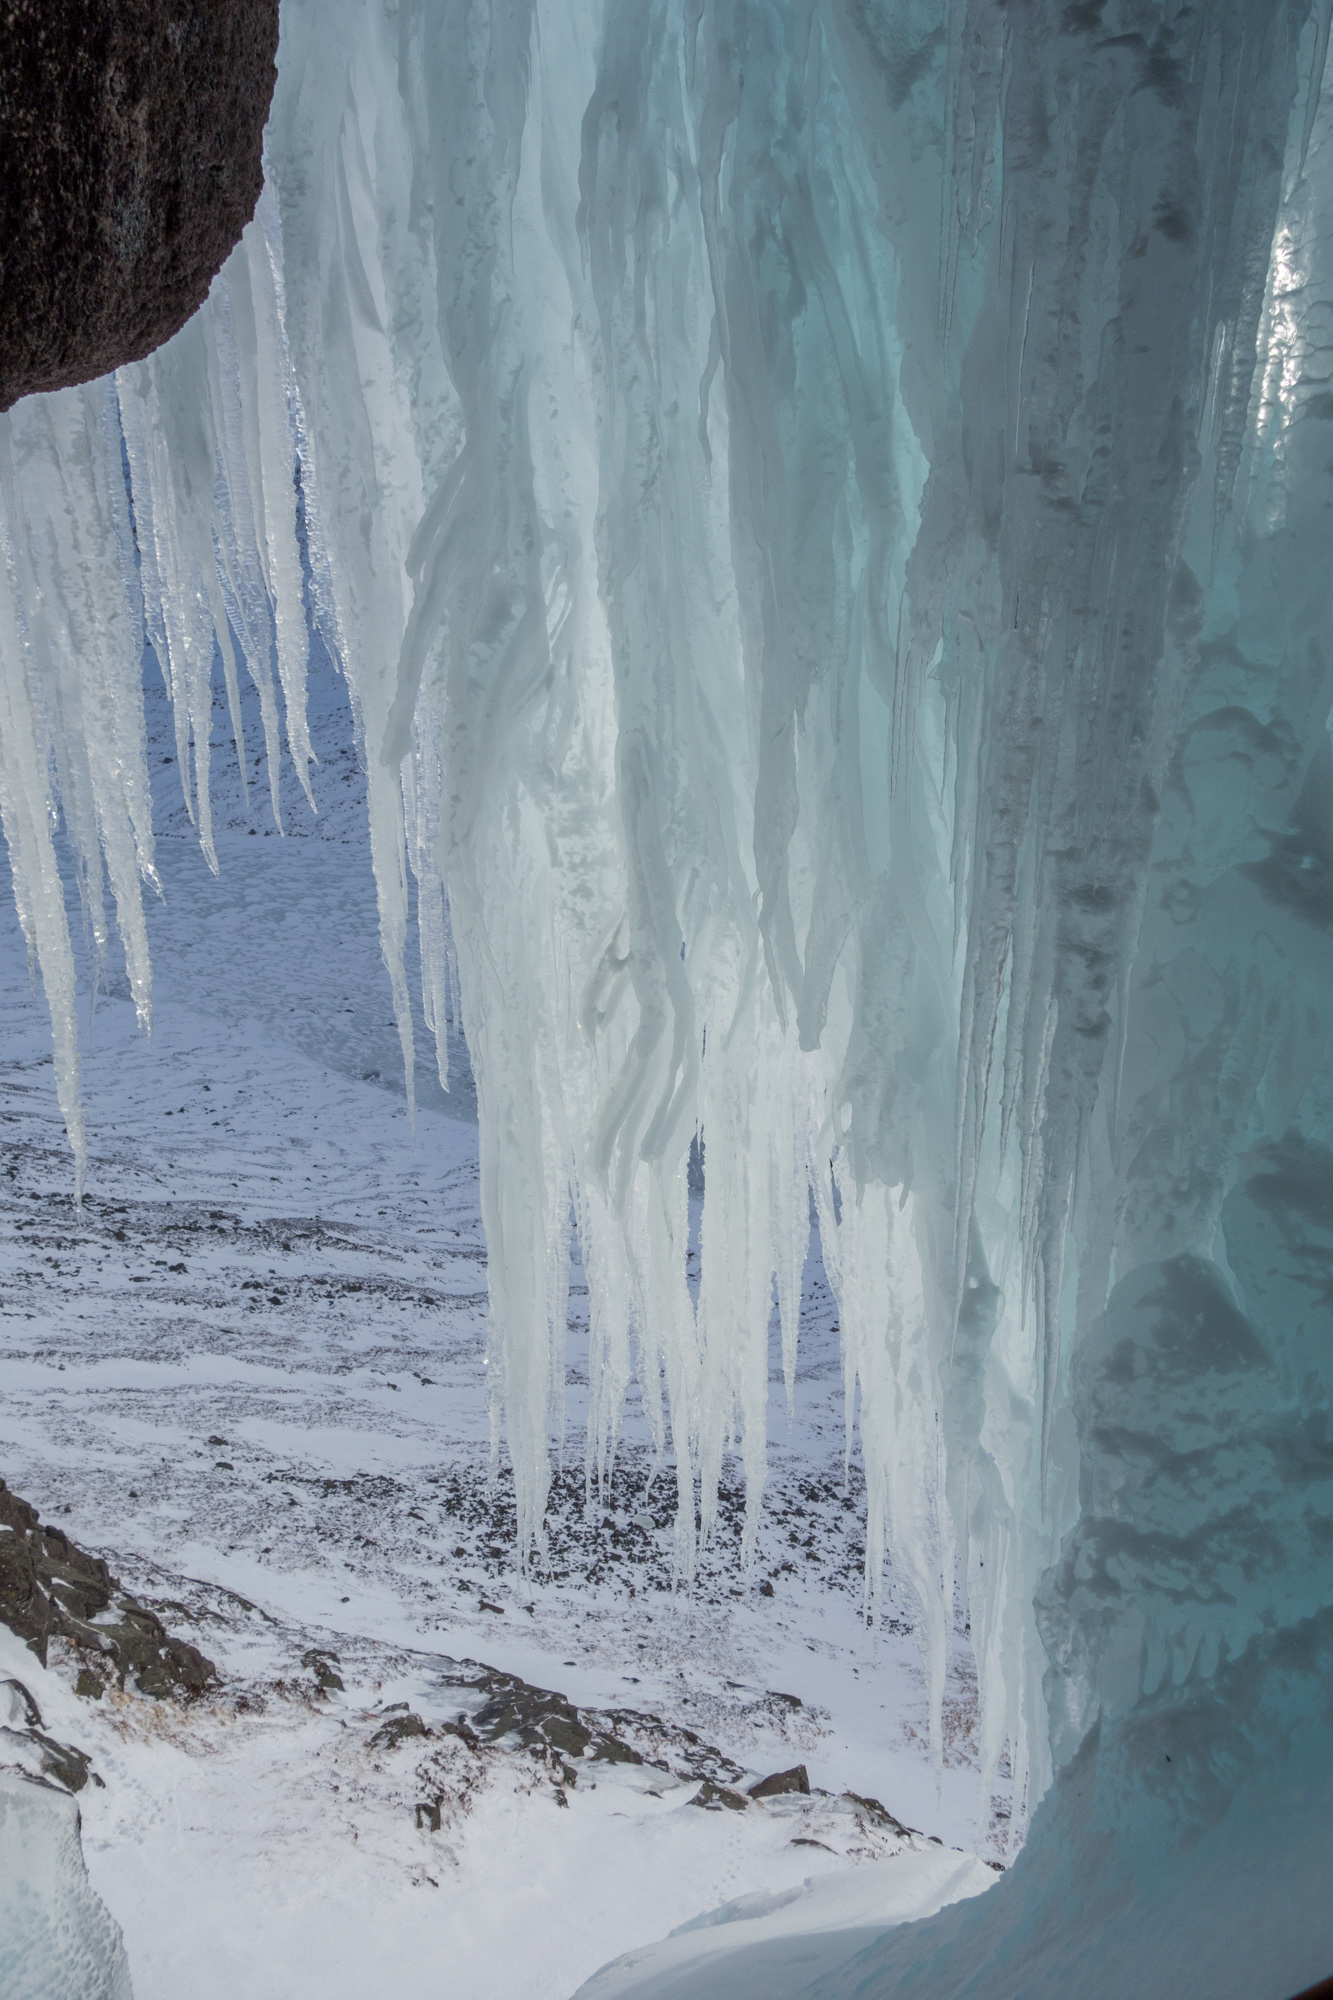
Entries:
{"x":56,"y":1938}
{"x":823,"y":509}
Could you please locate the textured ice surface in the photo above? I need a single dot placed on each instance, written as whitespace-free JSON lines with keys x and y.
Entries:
{"x":56,"y":1939}
{"x":824,"y":515}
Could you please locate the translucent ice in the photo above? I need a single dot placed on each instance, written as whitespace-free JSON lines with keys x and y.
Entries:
{"x":824,"y":513}
{"x":56,"y":1938}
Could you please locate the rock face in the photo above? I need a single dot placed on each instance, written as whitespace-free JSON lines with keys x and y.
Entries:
{"x":131,"y":134}
{"x":49,"y":1589}
{"x":778,"y":1782}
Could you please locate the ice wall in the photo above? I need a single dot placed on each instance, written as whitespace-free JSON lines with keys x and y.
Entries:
{"x":822,"y":509}
{"x":57,"y":1941}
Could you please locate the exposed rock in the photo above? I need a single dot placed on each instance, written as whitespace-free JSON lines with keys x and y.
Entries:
{"x":131,"y":132}
{"x":713,"y":1798}
{"x":26,"y":1748}
{"x":323,"y":1665}
{"x":879,"y":1815}
{"x":795,"y":1780}
{"x":18,"y":1706}
{"x":540,"y":1718}
{"x":49,"y":1589}
{"x":35,"y":1755}
{"x":397,"y":1729}
{"x":513,"y":1713}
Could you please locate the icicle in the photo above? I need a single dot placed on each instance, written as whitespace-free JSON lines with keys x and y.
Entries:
{"x":93,"y":567}
{"x":38,"y":892}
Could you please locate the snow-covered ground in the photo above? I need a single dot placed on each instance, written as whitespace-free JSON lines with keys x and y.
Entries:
{"x":250,"y":1371}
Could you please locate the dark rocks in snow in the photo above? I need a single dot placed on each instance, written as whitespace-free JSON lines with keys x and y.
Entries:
{"x":132,"y":133}
{"x":716,"y":1798}
{"x":879,"y":1815}
{"x":795,"y":1780}
{"x":542,"y":1720}
{"x":50,"y":1589}
{"x":397,"y":1728}
{"x":21,"y":1704}
{"x":61,"y":1764}
{"x":323,"y":1664}
{"x":512,"y":1713}
{"x":26,"y":1748}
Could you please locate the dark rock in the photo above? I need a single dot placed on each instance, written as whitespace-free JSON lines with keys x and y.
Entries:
{"x":879,"y":1814}
{"x":537,"y":1716}
{"x":61,"y":1761}
{"x":714,"y":1797}
{"x":50,"y":1589}
{"x":131,"y":134}
{"x":22,"y":1703}
{"x":396,"y":1730}
{"x":428,"y":1815}
{"x":88,"y":1685}
{"x":323,"y":1663}
{"x":24,"y":1606}
{"x":795,"y":1780}
{"x":512,"y":1712}
{"x":26,"y":1748}
{"x":614,"y":1750}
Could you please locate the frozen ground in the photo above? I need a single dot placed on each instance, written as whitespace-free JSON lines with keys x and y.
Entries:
{"x":250,"y":1372}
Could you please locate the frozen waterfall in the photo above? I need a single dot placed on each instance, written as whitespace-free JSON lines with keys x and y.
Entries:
{"x":823,"y":509}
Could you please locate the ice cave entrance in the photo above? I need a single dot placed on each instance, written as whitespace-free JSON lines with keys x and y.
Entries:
{"x":816,"y":520}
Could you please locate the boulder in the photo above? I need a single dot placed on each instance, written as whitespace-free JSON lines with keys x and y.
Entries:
{"x":132,"y":137}
{"x":771,"y":1787}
